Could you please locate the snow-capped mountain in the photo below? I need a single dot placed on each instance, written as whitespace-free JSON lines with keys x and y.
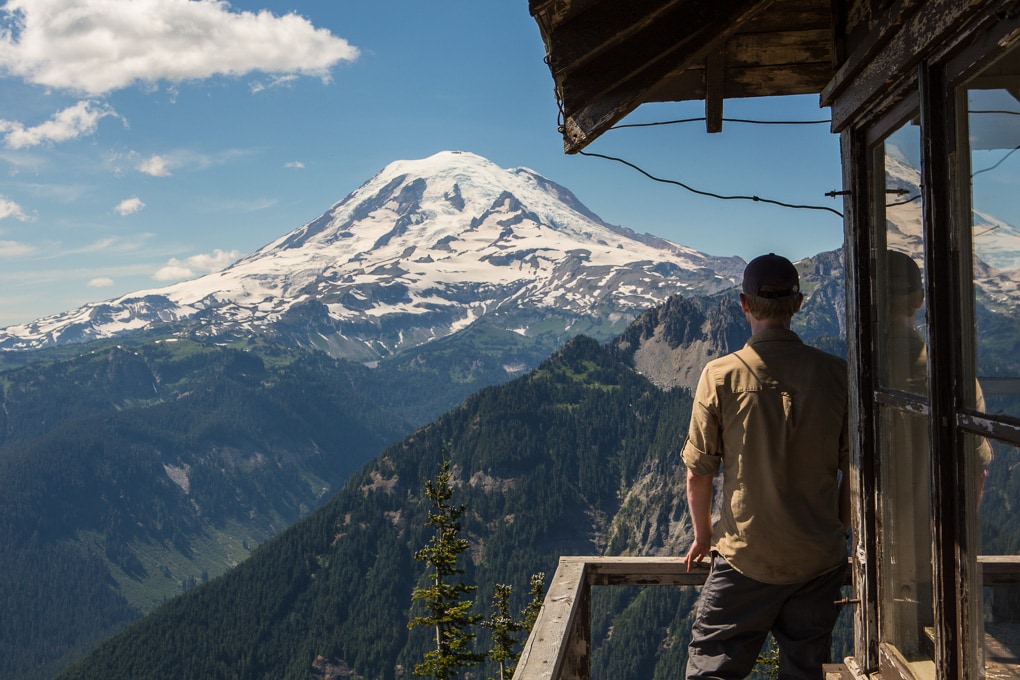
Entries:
{"x":423,"y":249}
{"x":996,"y":243}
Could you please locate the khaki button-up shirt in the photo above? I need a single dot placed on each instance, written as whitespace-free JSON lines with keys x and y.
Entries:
{"x":773,"y":417}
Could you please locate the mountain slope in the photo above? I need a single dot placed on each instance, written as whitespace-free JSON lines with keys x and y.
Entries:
{"x":128,"y":476}
{"x":578,"y":457}
{"x":540,"y":463}
{"x":163,"y":419}
{"x":423,"y":249}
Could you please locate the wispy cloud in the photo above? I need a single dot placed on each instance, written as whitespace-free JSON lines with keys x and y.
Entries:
{"x":70,"y":123}
{"x":165,"y":164}
{"x":110,"y":244}
{"x":101,"y":282}
{"x":129,"y":206}
{"x":9,"y":208}
{"x":203,"y":263}
{"x":280,"y":81}
{"x":16,"y":249}
{"x":294,"y":164}
{"x":98,"y":46}
{"x":157,"y":166}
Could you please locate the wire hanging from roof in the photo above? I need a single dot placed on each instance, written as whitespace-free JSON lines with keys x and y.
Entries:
{"x":756,"y":199}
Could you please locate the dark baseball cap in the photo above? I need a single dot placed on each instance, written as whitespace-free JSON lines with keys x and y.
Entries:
{"x":771,"y":276}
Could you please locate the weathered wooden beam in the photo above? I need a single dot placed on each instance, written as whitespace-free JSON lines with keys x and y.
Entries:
{"x":891,"y":52}
{"x":607,"y":88}
{"x":642,"y":571}
{"x":600,"y":29}
{"x":560,"y":642}
{"x":546,"y":652}
{"x":743,"y":82}
{"x":999,"y":569}
{"x":857,"y":247}
{"x":715,"y":75}
{"x":780,"y":48}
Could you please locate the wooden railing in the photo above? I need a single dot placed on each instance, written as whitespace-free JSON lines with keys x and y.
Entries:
{"x":559,"y":647}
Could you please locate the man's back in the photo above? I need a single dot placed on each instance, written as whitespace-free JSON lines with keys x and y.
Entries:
{"x":772,"y":416}
{"x":778,"y":408}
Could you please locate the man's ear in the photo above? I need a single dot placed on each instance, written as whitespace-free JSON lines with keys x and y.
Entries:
{"x":800,"y":301}
{"x":743,"y":304}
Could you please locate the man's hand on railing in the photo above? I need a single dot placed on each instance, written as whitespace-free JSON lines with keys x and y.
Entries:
{"x":699,"y":551}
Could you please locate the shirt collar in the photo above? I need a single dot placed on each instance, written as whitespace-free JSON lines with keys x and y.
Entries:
{"x":774,"y":335}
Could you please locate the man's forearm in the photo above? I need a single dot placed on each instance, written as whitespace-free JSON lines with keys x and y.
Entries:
{"x":699,"y":502}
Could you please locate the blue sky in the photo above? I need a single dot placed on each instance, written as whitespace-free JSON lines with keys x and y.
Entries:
{"x":145,"y":142}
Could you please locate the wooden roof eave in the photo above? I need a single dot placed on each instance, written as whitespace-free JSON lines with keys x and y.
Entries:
{"x":605,"y":78}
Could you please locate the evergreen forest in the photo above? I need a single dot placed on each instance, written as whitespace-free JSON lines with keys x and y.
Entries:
{"x":541,"y":464}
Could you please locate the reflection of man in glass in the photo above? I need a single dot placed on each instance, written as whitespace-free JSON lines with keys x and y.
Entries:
{"x":905,"y":476}
{"x":905,"y":473}
{"x":907,"y":357}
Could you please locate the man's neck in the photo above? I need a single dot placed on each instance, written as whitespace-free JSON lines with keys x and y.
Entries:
{"x":759,"y":325}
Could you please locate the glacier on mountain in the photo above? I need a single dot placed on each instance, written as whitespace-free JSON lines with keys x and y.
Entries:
{"x":423,"y":249}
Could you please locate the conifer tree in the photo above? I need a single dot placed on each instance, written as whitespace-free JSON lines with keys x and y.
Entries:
{"x":446,"y":608}
{"x":506,"y":630}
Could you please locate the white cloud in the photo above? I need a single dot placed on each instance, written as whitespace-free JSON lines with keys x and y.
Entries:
{"x":294,"y":164}
{"x":129,"y":206}
{"x":9,"y":208}
{"x":196,"y":264}
{"x":70,"y":123}
{"x":101,"y":282}
{"x":157,"y":166}
{"x":97,"y":46}
{"x":15,"y":249}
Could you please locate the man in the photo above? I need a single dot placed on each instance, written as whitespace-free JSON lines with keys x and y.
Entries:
{"x":773,"y":417}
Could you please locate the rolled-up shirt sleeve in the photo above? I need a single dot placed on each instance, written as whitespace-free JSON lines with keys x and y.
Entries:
{"x":701,"y":451}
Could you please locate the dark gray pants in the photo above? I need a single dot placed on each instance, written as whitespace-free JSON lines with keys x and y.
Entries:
{"x":735,"y":615}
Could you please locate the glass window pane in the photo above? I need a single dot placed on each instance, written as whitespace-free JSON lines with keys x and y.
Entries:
{"x":993,"y":133}
{"x":989,"y":137}
{"x":906,"y":609}
{"x":992,"y":475}
{"x":905,"y":577}
{"x":899,"y":255}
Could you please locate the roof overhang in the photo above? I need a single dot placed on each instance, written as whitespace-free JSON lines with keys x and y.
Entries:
{"x":608,"y":57}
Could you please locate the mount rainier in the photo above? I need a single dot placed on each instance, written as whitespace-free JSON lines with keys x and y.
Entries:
{"x":423,"y":249}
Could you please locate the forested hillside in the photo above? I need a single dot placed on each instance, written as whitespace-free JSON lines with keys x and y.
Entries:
{"x":542,"y":464}
{"x":128,"y":476}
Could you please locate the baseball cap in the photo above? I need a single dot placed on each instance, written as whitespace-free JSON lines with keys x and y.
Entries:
{"x":771,"y":276}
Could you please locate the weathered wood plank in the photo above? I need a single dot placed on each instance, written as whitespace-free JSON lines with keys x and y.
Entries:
{"x":743,"y":82}
{"x":779,"y":48}
{"x":999,"y":569}
{"x":545,"y":652}
{"x":891,"y":52}
{"x":607,"y":25}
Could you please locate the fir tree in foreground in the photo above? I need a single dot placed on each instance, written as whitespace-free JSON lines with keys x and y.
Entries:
{"x":444,"y":601}
{"x":445,"y":606}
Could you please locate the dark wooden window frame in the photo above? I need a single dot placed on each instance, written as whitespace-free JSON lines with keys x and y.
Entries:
{"x":928,"y":92}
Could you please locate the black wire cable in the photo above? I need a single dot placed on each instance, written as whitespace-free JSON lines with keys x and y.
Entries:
{"x":1001,"y":161}
{"x":725,"y":120}
{"x":756,"y":199}
{"x":906,"y":202}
